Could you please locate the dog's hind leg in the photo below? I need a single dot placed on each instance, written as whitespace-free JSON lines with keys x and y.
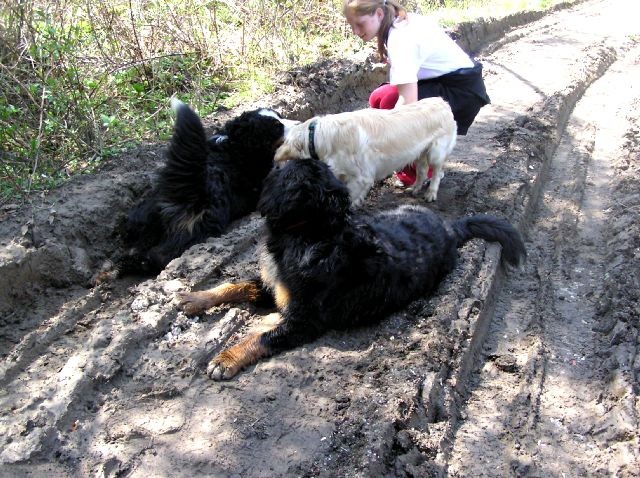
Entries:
{"x":434,"y":185}
{"x":422,"y":169}
{"x":437,"y":155}
{"x":247,"y":291}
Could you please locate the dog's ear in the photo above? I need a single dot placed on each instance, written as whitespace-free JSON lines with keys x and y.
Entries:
{"x":253,"y":132}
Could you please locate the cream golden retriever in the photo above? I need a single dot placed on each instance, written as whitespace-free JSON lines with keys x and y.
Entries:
{"x":365,"y":146}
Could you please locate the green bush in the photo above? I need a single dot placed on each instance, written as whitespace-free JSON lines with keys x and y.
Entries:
{"x":82,"y":81}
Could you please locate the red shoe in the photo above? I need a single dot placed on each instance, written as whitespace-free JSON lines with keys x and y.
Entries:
{"x":408,"y":175}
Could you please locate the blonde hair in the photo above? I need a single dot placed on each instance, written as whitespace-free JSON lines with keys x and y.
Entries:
{"x":392,"y":10}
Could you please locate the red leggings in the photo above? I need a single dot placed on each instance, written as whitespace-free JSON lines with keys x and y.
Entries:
{"x":385,"y":97}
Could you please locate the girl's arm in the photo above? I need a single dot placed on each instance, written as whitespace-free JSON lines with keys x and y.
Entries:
{"x":408,"y":93}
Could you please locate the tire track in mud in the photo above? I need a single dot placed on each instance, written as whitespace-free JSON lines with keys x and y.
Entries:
{"x":548,"y":400}
{"x":88,"y":344}
{"x":117,"y":340}
{"x":420,"y":444}
{"x":130,"y":396}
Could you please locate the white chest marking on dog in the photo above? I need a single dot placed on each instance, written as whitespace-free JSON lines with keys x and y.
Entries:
{"x":268,"y":112}
{"x":285,"y":122}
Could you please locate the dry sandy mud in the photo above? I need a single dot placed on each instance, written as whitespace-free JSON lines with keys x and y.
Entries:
{"x":532,"y":372}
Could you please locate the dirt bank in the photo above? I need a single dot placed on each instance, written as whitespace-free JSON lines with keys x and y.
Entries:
{"x":532,"y":373}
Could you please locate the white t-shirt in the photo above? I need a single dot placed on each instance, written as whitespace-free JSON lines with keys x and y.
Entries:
{"x":418,"y":48}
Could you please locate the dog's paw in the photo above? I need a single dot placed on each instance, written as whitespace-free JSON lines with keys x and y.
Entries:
{"x":229,"y":362}
{"x":193,"y":303}
{"x":414,"y":191}
{"x":223,"y":367}
{"x":431,"y":196}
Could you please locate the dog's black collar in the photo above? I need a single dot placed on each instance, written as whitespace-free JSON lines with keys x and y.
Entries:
{"x":312,"y":146}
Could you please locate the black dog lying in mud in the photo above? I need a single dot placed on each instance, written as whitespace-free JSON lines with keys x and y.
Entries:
{"x":328,"y":267}
{"x":203,"y":186}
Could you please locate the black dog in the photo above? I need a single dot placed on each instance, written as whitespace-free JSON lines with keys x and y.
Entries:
{"x":329,"y":267}
{"x":204,"y":185}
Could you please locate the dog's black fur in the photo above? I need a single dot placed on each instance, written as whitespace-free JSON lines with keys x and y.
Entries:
{"x":335,"y":268}
{"x":204,"y":185}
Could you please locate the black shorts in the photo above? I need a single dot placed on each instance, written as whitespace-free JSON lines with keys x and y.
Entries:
{"x":463,"y":89}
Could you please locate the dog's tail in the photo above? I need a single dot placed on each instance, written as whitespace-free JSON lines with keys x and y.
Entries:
{"x":183,"y":178}
{"x":492,"y":229}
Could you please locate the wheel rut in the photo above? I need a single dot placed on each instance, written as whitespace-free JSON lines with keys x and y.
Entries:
{"x":543,"y":401}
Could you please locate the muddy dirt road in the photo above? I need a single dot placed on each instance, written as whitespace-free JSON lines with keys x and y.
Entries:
{"x":533,"y":372}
